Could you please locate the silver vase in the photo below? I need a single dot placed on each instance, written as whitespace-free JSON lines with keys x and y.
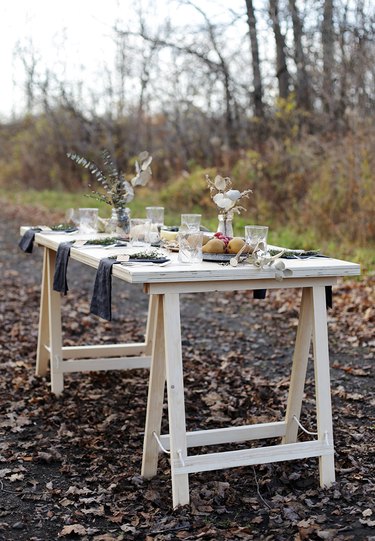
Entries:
{"x":123,"y":221}
{"x":225,"y":225}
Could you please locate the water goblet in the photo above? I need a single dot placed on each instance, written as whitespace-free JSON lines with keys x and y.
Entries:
{"x":256,"y":237}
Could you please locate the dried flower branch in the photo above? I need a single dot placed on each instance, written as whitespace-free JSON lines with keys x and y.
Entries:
{"x":260,"y":258}
{"x":225,"y":198}
{"x":119,"y":191}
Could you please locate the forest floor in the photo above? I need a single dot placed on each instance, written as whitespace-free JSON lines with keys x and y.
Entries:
{"x":70,"y":466}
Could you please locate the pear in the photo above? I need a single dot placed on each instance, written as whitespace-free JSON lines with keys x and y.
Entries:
{"x":235,"y":245}
{"x":214,"y":246}
{"x":205,"y":239}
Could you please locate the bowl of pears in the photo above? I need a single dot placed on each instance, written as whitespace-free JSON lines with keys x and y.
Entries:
{"x":221,"y":247}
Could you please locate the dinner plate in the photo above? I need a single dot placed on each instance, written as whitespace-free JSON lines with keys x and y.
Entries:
{"x":60,"y":231}
{"x":295,"y":254}
{"x":105,"y":246}
{"x":158,"y":260}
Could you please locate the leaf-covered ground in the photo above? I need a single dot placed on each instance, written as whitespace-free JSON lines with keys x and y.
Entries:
{"x":70,"y":466}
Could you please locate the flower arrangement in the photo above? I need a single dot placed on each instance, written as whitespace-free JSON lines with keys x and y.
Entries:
{"x":119,"y":191}
{"x":225,"y":198}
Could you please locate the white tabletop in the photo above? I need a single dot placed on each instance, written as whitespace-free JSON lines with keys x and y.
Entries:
{"x":205,"y":271}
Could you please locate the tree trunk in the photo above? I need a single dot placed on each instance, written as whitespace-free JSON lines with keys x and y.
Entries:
{"x":302,"y":85}
{"x":258,"y":89}
{"x":328,"y":57}
{"x":282,"y":73}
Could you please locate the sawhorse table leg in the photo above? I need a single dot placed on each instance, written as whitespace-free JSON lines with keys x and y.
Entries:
{"x":42,"y":355}
{"x":322,"y":384}
{"x":155,"y":395}
{"x":55,"y":338}
{"x":312,"y":322}
{"x":167,"y":360}
{"x":175,"y":393}
{"x":81,"y":358}
{"x":49,"y":336}
{"x":299,"y":368}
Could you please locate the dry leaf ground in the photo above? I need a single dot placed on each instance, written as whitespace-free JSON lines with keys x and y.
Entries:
{"x":70,"y":466}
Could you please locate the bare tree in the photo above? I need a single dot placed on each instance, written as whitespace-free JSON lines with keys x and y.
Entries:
{"x":184,"y":91}
{"x":219,"y":66}
{"x":257,"y":79}
{"x":30,"y":60}
{"x":121,"y":63}
{"x":328,"y":41}
{"x":302,"y":83}
{"x":363,"y":49}
{"x":224,"y":69}
{"x":282,"y":72}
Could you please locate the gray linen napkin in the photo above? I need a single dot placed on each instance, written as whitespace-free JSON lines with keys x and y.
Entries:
{"x":27,"y":241}
{"x":259,"y":293}
{"x":60,"y":282}
{"x":101,"y":302}
{"x":329,"y":299}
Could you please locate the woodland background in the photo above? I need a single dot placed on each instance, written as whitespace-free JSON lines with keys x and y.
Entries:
{"x":279,"y":96}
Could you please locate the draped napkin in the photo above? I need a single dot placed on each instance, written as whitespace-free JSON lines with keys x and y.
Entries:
{"x":27,"y":241}
{"x":261,"y":294}
{"x":101,"y":302}
{"x":60,"y":282}
{"x":329,"y":300}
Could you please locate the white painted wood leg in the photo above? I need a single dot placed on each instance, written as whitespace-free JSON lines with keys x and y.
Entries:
{"x":151,"y":321}
{"x":54,"y":316}
{"x":155,"y":391}
{"x":42,"y":354}
{"x":322,"y":385}
{"x":176,"y":402}
{"x":300,"y":359}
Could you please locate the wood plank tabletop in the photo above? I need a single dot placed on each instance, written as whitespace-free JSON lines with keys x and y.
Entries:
{"x":202,"y":272}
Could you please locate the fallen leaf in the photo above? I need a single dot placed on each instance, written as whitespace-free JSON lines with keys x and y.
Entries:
{"x":73,"y":528}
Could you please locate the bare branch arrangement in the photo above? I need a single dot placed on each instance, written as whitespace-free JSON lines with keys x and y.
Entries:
{"x":225,"y":198}
{"x":119,"y":191}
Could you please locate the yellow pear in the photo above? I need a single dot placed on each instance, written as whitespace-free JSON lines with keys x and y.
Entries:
{"x":235,"y":245}
{"x":206,"y":238}
{"x":214,"y":246}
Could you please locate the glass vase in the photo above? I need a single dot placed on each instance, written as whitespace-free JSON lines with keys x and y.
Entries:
{"x":123,"y":221}
{"x":225,"y":225}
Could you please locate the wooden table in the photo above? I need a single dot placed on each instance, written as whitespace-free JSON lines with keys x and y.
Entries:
{"x":163,"y":346}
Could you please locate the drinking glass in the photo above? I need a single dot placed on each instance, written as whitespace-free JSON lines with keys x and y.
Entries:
{"x":190,"y":245}
{"x":156,"y":216}
{"x":72,"y":216}
{"x":256,"y":236}
{"x":140,"y":232}
{"x":88,"y":220}
{"x":191,"y":221}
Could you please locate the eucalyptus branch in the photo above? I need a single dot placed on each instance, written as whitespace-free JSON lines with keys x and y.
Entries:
{"x":119,"y":191}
